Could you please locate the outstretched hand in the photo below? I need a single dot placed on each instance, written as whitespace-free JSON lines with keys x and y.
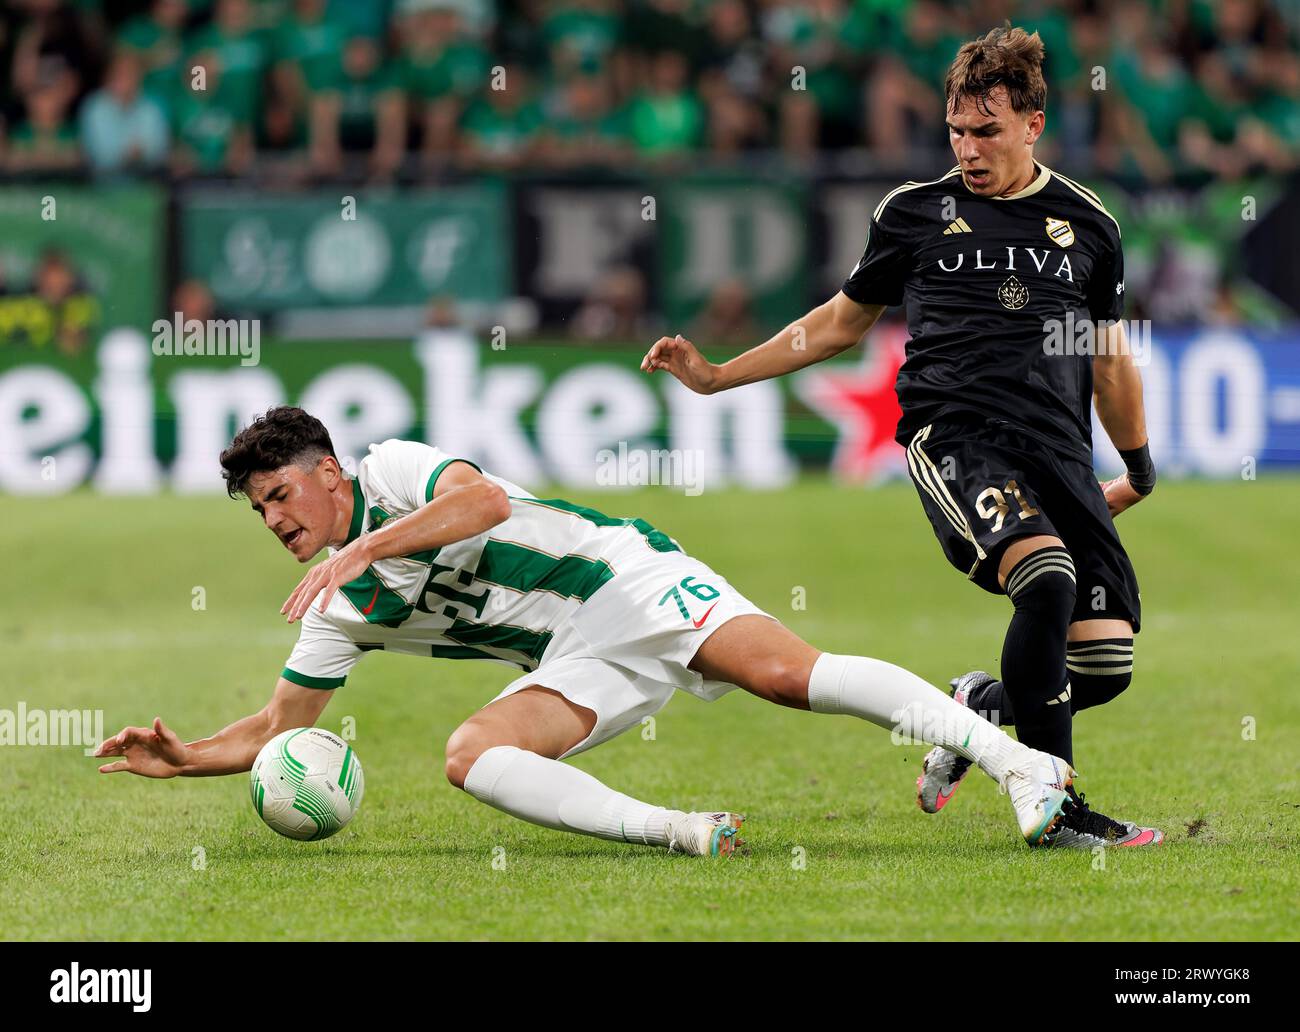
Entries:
{"x":680,"y":357}
{"x":155,"y":752}
{"x":325,"y":579}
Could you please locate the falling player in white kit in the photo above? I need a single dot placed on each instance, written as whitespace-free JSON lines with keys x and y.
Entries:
{"x":606,"y":617}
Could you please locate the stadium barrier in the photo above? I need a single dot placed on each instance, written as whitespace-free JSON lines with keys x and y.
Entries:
{"x":530,"y":252}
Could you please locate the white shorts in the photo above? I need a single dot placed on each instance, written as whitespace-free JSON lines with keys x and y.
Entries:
{"x":629,"y":646}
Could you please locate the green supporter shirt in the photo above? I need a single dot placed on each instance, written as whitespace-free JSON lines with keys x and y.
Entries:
{"x":359,"y":102}
{"x":243,"y":59}
{"x":587,"y":37}
{"x":362,"y":17}
{"x":1062,"y":64}
{"x":1162,"y":102}
{"x":314,"y":48}
{"x":662,"y":125}
{"x":1282,"y":115}
{"x":461,"y":69}
{"x":1219,"y":115}
{"x":928,"y":61}
{"x":608,"y":128}
{"x":833,"y":85}
{"x":206,"y":123}
{"x":161,"y":53}
{"x":501,"y":131}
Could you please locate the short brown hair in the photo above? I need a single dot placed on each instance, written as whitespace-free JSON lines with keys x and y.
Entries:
{"x":1006,"y":56}
{"x":285,"y":436}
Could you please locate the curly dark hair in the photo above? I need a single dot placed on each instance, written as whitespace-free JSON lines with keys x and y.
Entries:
{"x":284,"y":436}
{"x":1006,"y":56}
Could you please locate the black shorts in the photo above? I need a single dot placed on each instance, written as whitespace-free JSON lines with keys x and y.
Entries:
{"x":984,"y":486}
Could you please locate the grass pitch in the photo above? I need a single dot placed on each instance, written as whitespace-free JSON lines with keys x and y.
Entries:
{"x":98,"y":613}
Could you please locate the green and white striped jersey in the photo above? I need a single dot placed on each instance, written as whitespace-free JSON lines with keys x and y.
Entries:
{"x":499,"y":595}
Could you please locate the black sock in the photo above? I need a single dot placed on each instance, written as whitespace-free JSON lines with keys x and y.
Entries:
{"x":1041,"y":586}
{"x":992,"y":703}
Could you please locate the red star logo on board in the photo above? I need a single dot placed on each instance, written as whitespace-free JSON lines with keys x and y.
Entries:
{"x":860,"y":402}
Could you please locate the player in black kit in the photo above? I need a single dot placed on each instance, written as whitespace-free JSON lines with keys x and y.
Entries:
{"x":1012,"y":278}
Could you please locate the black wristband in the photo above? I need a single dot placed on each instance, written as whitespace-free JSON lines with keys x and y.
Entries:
{"x":1141,"y":471}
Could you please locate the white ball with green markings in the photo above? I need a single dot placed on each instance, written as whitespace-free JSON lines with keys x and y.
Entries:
{"x":306,"y":783}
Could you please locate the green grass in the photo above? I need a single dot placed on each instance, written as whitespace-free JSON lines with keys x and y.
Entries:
{"x":97,"y":614}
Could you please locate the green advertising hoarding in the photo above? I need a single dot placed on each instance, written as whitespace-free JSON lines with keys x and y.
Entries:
{"x":715,"y":229}
{"x":788,"y":240}
{"x":108,"y":241}
{"x":269,"y":252}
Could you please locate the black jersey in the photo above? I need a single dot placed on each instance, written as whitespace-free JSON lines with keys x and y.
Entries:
{"x":997,"y":291}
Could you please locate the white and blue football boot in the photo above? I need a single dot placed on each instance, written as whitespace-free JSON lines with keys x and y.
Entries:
{"x":704,"y":834}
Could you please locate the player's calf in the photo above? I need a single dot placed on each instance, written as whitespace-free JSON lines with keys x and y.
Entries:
{"x":1041,"y":586}
{"x":536,"y":719}
{"x":555,"y":795}
{"x":505,"y":755}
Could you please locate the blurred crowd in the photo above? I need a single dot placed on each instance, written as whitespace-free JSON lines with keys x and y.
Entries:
{"x":379,"y":89}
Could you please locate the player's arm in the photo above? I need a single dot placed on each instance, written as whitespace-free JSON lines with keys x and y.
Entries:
{"x":821,"y":334}
{"x":1117,"y":393}
{"x":157,"y":751}
{"x":876,"y":282}
{"x":465,"y":503}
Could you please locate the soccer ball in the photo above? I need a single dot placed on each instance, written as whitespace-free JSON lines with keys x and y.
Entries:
{"x":306,"y":783}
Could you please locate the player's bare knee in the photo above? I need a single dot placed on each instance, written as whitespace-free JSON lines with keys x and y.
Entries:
{"x":464,"y":747}
{"x":457,"y":767}
{"x":782,"y":680}
{"x":1043,"y":581}
{"x":1021,"y":548}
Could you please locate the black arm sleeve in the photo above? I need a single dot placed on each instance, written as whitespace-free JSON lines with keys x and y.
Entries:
{"x":1106,"y":285}
{"x":878,"y":277}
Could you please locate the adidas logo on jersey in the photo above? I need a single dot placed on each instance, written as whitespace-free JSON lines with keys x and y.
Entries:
{"x":959,"y":226}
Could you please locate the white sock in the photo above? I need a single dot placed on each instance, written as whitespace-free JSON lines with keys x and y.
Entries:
{"x":555,"y":795}
{"x":897,"y":699}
